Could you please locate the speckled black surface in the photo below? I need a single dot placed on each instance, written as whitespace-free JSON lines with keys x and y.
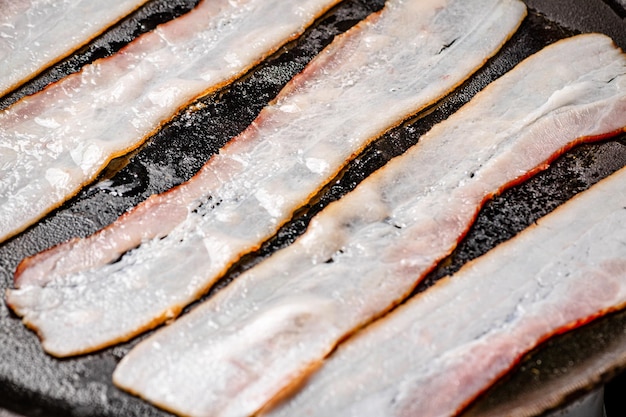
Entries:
{"x":37,"y":385}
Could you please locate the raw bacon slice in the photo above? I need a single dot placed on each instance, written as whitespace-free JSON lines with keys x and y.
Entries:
{"x":56,"y":141}
{"x":89,"y":293}
{"x":435,"y":354}
{"x":365,"y":253}
{"x":37,"y":33}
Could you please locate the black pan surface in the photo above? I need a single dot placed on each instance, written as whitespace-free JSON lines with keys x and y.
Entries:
{"x":35,"y":384}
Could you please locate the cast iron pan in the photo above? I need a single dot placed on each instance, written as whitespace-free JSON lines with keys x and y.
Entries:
{"x":35,"y":384}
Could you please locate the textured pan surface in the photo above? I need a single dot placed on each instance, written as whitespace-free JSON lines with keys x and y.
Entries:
{"x":35,"y":384}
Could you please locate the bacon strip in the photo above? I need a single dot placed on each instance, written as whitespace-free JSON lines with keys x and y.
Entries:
{"x":34,"y":34}
{"x":56,"y":141}
{"x":365,"y":253}
{"x":92,"y":293}
{"x":435,"y":354}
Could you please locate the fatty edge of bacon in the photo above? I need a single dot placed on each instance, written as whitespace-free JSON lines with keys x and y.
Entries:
{"x":364,"y":253}
{"x":37,"y":33}
{"x":56,"y":141}
{"x":435,"y":354}
{"x":88,"y":293}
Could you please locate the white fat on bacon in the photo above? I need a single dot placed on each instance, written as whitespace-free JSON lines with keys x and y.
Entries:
{"x":366,"y":252}
{"x":434,"y":355}
{"x":56,"y":141}
{"x":34,"y":34}
{"x":144,"y":268}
